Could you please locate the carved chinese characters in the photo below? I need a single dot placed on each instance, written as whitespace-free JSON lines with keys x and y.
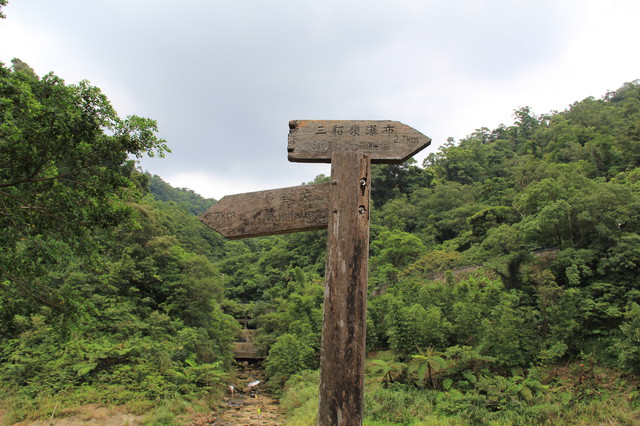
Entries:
{"x":384,"y":141}
{"x":277,"y":211}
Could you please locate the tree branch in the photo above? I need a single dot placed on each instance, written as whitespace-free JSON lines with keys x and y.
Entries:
{"x":41,"y":294}
{"x":29,"y":180}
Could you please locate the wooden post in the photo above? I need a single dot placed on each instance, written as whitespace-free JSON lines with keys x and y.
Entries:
{"x":342,"y":353}
{"x":350,"y":146}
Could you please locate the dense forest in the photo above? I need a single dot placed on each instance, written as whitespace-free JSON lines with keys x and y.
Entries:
{"x":503,"y":272}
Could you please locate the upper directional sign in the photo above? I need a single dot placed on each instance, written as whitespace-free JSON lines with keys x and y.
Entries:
{"x":277,"y":211}
{"x":313,"y":141}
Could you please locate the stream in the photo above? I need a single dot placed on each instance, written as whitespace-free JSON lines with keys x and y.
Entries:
{"x":249,"y":404}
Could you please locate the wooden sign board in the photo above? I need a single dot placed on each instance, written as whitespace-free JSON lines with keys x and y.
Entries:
{"x":313,"y":141}
{"x":277,"y":211}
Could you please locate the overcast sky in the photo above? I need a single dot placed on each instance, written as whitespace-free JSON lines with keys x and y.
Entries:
{"x":223,"y":78}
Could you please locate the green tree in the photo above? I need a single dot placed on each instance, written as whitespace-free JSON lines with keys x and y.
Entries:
{"x":288,"y":356}
{"x":414,"y":327}
{"x":455,"y":163}
{"x":426,"y":363}
{"x":20,"y":66}
{"x":506,"y":254}
{"x":442,"y":212}
{"x":397,"y":214}
{"x":397,"y":248}
{"x":393,"y":250}
{"x":509,"y":332}
{"x":393,"y":180}
{"x":184,"y":197}
{"x":525,"y":125}
{"x":629,"y":346}
{"x":64,"y":170}
{"x":386,"y":366}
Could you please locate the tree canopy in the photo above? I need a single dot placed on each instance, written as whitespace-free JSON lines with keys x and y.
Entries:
{"x":65,"y":168}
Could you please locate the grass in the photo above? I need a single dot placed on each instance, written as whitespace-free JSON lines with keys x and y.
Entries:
{"x":88,"y":403}
{"x":300,"y":398}
{"x":570,"y":397}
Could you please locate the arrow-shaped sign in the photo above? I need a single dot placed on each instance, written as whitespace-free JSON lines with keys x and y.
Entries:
{"x":313,"y":141}
{"x":276,"y":211}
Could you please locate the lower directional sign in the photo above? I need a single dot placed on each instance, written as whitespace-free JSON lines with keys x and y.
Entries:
{"x":276,"y":211}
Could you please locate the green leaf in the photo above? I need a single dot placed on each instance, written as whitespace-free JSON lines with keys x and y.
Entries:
{"x":84,"y":368}
{"x":469,"y":376}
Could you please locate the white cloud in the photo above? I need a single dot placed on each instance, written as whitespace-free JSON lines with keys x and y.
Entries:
{"x":213,"y":185}
{"x":224,"y":78}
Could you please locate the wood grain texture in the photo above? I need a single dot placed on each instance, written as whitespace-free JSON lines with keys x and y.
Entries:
{"x":342,"y":351}
{"x":276,"y":211}
{"x":384,"y":141}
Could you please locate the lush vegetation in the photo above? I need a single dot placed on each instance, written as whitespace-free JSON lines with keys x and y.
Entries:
{"x":503,"y":272}
{"x":106,"y":294}
{"x":504,"y":276}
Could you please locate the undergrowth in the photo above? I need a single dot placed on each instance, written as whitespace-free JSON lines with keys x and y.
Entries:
{"x":20,"y":406}
{"x":571,"y":394}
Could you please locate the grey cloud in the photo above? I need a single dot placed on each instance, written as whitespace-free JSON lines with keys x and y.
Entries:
{"x":223,"y":78}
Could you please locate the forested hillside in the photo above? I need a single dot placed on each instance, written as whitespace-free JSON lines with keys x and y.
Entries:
{"x":106,"y":294}
{"x":545,"y":328}
{"x":111,"y":291}
{"x":184,"y":197}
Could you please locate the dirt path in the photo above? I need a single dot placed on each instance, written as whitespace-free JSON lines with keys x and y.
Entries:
{"x":260,"y":410}
{"x":89,"y":414}
{"x":249,"y":404}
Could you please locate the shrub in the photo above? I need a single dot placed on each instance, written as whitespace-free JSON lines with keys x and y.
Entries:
{"x":288,"y":356}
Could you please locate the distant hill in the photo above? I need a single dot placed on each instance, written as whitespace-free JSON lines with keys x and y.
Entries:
{"x":162,"y":191}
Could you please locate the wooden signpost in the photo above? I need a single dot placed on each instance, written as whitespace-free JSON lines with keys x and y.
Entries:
{"x":389,"y":142}
{"x":278,"y":211}
{"x":342,"y":206}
